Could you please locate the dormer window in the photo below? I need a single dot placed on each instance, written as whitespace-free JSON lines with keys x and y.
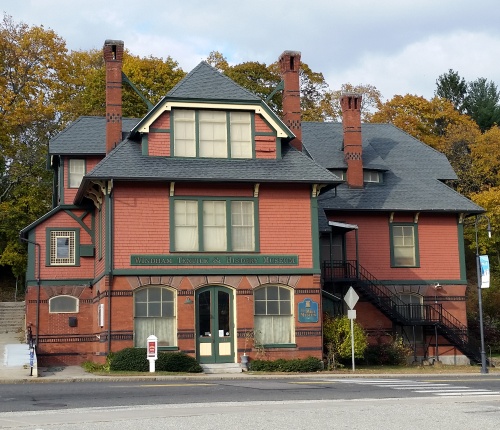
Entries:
{"x":341,"y":174}
{"x":372,"y":176}
{"x":212,"y":134}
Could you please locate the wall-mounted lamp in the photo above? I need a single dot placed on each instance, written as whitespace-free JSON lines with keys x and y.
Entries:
{"x":188,"y":301}
{"x":438,"y":286}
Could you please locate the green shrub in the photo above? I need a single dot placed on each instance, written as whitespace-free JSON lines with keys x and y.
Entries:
{"x":131,"y":360}
{"x":177,"y":362}
{"x":310,"y":364}
{"x":134,"y":360}
{"x":394,"y":353}
{"x":337,"y":340}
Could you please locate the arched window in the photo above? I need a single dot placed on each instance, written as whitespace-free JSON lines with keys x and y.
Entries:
{"x":63,"y":304}
{"x":154,"y":314}
{"x":273,"y":315}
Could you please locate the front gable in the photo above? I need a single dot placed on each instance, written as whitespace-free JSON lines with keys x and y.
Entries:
{"x":207,"y":115}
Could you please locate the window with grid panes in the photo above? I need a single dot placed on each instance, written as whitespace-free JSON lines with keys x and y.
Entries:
{"x":273,"y":317}
{"x":404,"y":248}
{"x":62,"y":247}
{"x":154,"y":314}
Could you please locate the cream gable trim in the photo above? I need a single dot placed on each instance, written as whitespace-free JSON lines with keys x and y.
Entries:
{"x":168,"y":106}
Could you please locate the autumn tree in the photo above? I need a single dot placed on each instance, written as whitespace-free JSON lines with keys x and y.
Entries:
{"x":153,"y":77}
{"x":33,"y":100}
{"x":262,"y":79}
{"x":371,"y":99}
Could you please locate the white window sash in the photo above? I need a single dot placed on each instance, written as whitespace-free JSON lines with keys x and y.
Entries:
{"x":186,"y":225}
{"x":184,"y":133}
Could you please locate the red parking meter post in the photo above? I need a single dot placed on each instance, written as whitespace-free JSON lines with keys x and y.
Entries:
{"x":152,"y":351}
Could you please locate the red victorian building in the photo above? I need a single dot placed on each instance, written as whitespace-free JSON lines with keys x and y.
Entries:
{"x":223,"y":229}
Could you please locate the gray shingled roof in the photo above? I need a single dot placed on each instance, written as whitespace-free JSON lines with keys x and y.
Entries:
{"x":126,"y":162}
{"x":412,"y":176}
{"x":206,"y":82}
{"x":86,"y":136}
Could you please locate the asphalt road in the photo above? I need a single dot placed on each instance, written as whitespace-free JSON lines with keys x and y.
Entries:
{"x":75,"y":395}
{"x":299,"y":403}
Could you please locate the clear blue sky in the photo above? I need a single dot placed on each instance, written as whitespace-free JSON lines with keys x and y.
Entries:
{"x":399,"y":46}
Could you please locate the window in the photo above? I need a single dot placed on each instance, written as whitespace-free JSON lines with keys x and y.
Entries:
{"x":371,"y":176}
{"x":206,"y":133}
{"x":341,"y":174}
{"x":202,"y":225}
{"x":62,"y":248}
{"x":154,"y":315}
{"x":404,"y":248}
{"x":63,"y":304}
{"x":76,"y":172}
{"x":273,"y":315}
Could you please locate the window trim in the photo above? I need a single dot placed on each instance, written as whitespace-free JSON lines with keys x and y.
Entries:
{"x":175,"y":296}
{"x":76,"y":300}
{"x":69,"y":171}
{"x":415,"y":245}
{"x":291,"y":344}
{"x":229,"y":243}
{"x":197,"y":133}
{"x":48,"y":247}
{"x":371,"y":172}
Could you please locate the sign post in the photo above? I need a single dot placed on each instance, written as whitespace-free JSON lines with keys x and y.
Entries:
{"x":152,"y":351}
{"x":351,"y":298}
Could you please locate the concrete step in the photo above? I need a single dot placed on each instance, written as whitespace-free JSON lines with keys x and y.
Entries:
{"x":12,"y":317}
{"x":222,"y":368}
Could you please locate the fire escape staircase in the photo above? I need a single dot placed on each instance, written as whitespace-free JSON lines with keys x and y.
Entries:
{"x":399,"y":312}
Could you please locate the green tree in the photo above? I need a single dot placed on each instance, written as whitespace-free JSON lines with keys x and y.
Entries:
{"x":452,"y":87}
{"x":337,"y":339}
{"x":481,"y":103}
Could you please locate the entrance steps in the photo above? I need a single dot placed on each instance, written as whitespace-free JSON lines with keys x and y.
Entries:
{"x":222,"y":368}
{"x":12,"y":317}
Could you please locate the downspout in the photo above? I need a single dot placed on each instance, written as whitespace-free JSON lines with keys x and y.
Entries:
{"x":38,"y":284}
{"x":109,"y":250}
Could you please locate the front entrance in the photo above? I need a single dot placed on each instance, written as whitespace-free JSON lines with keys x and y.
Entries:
{"x":214,"y":325}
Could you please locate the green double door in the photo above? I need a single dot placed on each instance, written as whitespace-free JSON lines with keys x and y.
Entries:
{"x":214,"y":325}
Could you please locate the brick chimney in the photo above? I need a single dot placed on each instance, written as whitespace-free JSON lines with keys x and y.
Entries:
{"x":113,"y":57}
{"x":290,"y":65}
{"x":353,"y":149}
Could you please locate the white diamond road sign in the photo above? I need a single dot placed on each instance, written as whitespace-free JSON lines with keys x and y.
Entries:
{"x":351,"y":298}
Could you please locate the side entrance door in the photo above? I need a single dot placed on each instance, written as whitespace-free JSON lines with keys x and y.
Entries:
{"x":214,"y":325}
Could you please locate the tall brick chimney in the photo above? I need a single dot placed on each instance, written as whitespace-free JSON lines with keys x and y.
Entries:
{"x":290,"y":65}
{"x":353,"y":149}
{"x":113,"y":58}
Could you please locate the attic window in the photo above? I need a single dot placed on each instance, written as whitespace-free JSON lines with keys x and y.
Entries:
{"x":372,"y":176}
{"x":212,"y":134}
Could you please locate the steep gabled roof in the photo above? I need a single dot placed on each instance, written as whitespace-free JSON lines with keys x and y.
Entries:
{"x":206,"y":87}
{"x":412,"y":178}
{"x":127,"y":163}
{"x":86,"y":136}
{"x":207,"y":83}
